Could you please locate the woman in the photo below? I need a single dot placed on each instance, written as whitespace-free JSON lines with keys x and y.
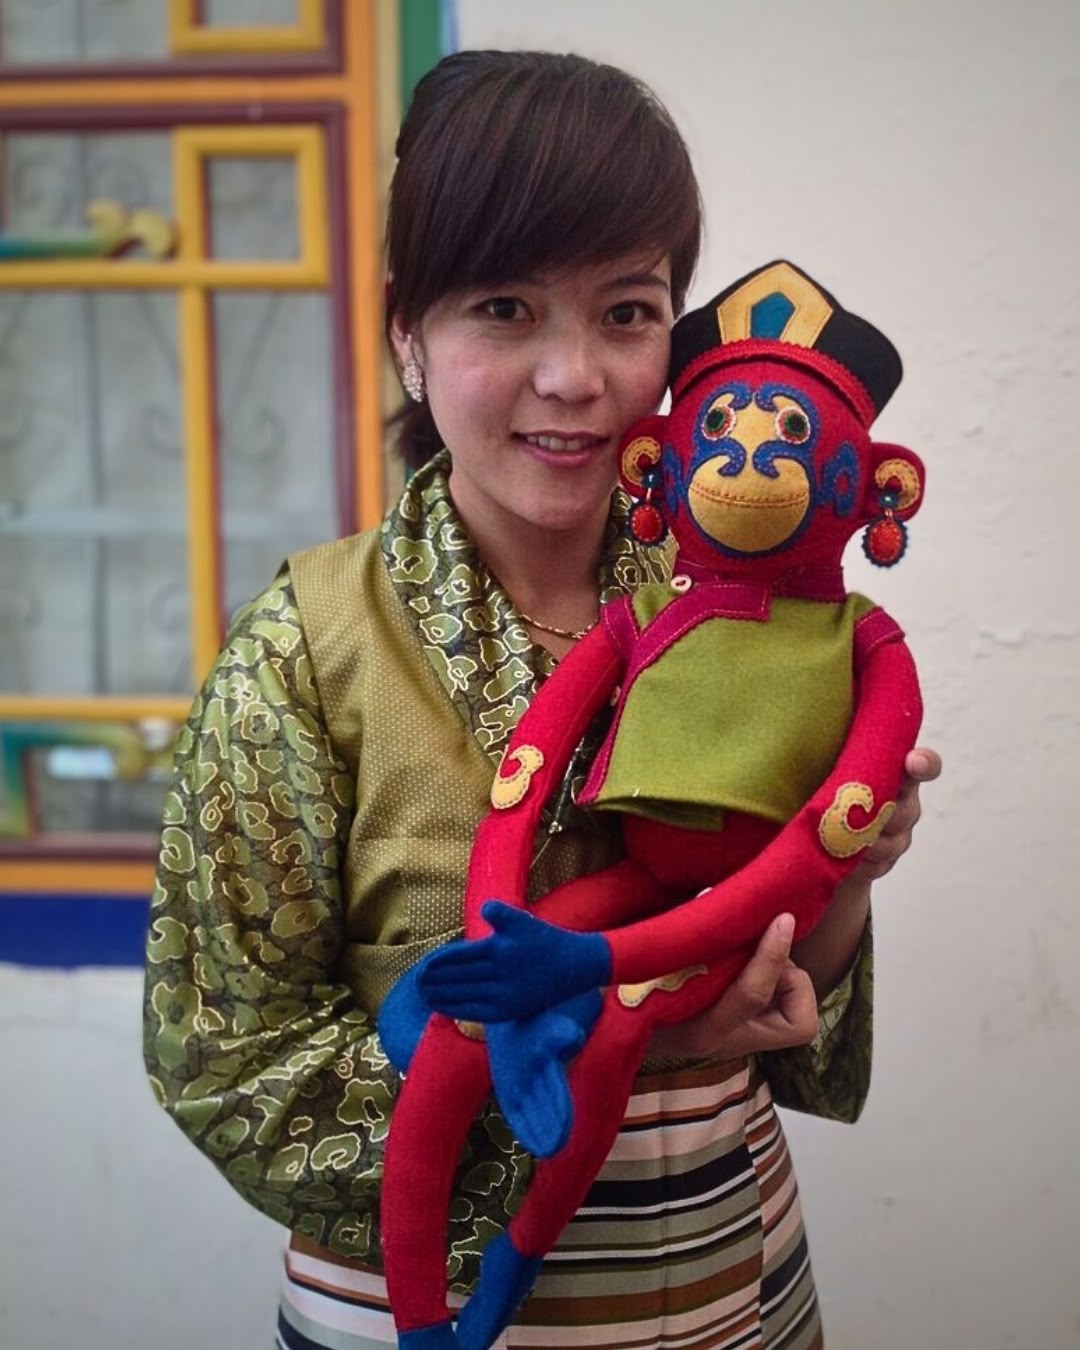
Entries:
{"x":543,"y":230}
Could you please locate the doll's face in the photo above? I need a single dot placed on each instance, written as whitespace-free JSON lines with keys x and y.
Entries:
{"x":761,"y":459}
{"x":749,"y":486}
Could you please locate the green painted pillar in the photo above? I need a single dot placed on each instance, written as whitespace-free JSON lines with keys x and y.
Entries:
{"x":426,"y":37}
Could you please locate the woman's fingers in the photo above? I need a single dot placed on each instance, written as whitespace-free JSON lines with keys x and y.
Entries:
{"x":922,"y":765}
{"x":755,"y":988}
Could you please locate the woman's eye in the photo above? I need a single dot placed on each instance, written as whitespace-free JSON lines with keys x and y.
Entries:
{"x":719,"y":421}
{"x":793,"y":426}
{"x":503,"y":307}
{"x":627,"y":312}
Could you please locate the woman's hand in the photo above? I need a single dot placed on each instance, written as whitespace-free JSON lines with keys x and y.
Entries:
{"x":921,"y":766}
{"x":827,"y":953}
{"x":771,"y":1006}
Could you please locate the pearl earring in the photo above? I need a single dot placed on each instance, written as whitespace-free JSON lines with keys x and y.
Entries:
{"x":412,"y":377}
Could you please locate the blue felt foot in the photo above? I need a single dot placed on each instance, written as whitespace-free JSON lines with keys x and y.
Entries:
{"x":505,"y":1279}
{"x":438,"y":1337}
{"x":402,"y":1019}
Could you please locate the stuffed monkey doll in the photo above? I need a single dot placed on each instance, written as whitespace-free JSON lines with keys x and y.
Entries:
{"x":761,"y":720}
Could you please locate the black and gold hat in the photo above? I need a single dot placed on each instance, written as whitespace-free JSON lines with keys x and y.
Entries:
{"x":779,"y":311}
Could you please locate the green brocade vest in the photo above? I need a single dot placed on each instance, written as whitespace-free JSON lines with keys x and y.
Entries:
{"x":422,"y":779}
{"x":736,"y":715}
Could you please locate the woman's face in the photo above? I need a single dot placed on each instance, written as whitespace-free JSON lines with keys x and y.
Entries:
{"x":533,"y":384}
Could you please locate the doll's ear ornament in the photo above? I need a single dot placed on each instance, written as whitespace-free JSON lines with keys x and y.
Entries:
{"x":885,"y":538}
{"x":647,"y":524}
{"x":641,"y":470}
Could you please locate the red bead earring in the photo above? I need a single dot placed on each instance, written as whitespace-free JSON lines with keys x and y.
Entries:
{"x":646,"y":522}
{"x":885,"y":539}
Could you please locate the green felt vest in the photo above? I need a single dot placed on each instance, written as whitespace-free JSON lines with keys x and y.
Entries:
{"x":737,"y":715}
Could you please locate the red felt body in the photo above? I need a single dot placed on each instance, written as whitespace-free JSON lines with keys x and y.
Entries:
{"x":752,"y":870}
{"x":680,"y":899}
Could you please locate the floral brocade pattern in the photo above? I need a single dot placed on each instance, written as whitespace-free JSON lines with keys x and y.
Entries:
{"x":252,"y":1042}
{"x":471,"y":632}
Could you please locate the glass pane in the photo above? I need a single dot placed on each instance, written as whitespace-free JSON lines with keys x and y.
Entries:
{"x":274,"y":381}
{"x":93,"y":568}
{"x":98,"y":777}
{"x":49,"y":179}
{"x":253,"y":207}
{"x":82,"y":30}
{"x":250,"y":13}
{"x":92,"y":616}
{"x":48,"y":644}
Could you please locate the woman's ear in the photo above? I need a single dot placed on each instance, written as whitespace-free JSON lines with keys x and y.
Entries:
{"x":404,"y":343}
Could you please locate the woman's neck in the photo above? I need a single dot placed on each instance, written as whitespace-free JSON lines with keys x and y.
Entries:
{"x":550,"y":575}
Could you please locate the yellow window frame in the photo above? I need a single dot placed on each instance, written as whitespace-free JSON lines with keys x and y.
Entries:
{"x":189,"y":37}
{"x":370,"y":44}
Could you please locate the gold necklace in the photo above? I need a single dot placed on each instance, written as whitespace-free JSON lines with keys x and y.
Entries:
{"x":558,"y":632}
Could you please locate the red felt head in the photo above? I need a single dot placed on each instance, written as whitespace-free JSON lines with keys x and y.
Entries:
{"x":765,"y":465}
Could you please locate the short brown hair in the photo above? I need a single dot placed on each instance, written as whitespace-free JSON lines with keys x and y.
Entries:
{"x":513,"y":163}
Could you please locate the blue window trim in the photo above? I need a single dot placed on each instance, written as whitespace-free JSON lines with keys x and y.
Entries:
{"x":63,"y":932}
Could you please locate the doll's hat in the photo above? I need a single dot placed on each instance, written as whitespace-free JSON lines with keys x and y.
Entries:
{"x":779,"y":311}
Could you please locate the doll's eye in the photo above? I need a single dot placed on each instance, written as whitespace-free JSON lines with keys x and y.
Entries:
{"x":719,"y":421}
{"x":793,"y":426}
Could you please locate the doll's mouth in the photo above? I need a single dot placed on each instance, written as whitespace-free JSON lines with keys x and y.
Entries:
{"x":760,"y":502}
{"x":750,"y":513}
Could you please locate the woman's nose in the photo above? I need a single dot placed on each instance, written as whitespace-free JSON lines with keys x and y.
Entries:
{"x":570,"y":368}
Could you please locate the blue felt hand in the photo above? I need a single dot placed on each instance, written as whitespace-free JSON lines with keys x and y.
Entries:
{"x":403,"y":1018}
{"x":524,"y":966}
{"x":528,"y":1070}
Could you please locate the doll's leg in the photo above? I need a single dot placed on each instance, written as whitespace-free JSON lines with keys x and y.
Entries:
{"x":446,"y":1087}
{"x":601,"y":1082}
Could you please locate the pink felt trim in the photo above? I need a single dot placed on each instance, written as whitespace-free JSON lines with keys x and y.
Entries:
{"x":815,"y":581}
{"x":622,"y":625}
{"x":871,"y":631}
{"x":750,"y":349}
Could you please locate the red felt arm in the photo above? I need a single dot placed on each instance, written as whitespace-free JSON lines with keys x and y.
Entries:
{"x":553,"y":724}
{"x":794,"y":873}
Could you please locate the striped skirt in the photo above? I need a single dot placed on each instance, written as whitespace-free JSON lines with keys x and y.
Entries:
{"x":691,"y":1237}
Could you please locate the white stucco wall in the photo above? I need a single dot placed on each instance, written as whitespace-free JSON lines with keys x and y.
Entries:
{"x":116,"y":1234}
{"x":921,"y":159}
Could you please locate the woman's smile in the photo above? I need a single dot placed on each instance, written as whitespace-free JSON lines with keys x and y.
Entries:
{"x":564,"y":450}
